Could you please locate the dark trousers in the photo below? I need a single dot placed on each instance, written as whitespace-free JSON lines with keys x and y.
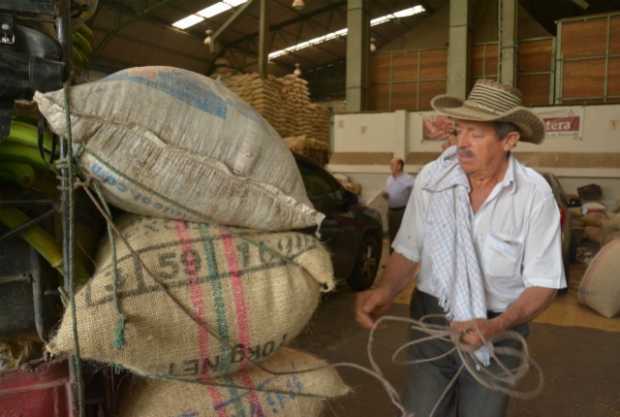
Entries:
{"x":395,"y":217}
{"x":427,"y":381}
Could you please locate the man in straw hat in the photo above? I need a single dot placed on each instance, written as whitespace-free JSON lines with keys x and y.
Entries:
{"x":485,"y":231}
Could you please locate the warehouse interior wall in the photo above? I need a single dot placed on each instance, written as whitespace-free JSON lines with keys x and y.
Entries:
{"x":363,"y":145}
{"x":430,"y":32}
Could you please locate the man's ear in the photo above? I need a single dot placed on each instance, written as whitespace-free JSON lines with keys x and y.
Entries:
{"x":511,"y":140}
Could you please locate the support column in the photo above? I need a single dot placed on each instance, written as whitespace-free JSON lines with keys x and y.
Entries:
{"x":458,"y":50}
{"x":357,"y":54}
{"x":263,"y":34}
{"x":401,"y":124}
{"x":507,"y":27}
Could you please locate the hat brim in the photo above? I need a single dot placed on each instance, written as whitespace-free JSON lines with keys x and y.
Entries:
{"x":531,"y":128}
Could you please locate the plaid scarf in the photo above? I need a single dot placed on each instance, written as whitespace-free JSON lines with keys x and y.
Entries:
{"x":457,"y":277}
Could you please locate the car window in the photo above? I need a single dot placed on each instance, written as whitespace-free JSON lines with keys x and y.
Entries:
{"x":319,"y":185}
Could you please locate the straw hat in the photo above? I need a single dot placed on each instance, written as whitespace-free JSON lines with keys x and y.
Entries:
{"x":490,"y":101}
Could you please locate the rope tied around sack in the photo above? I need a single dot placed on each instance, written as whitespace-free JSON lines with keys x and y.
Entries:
{"x":119,"y":334}
{"x":505,"y":381}
{"x":66,"y":172}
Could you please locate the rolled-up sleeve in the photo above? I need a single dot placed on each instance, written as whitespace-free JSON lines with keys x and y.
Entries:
{"x":542,"y":258}
{"x":409,"y":237}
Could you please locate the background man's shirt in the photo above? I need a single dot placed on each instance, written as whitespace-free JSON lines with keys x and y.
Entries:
{"x":398,"y":190}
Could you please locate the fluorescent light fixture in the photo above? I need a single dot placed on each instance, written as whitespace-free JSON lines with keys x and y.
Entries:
{"x":411,"y":11}
{"x":582,"y":3}
{"x":310,"y":42}
{"x":188,"y":21}
{"x":217,"y":8}
{"x":207,"y":13}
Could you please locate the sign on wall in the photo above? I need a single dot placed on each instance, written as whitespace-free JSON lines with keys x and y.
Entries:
{"x":562,"y":123}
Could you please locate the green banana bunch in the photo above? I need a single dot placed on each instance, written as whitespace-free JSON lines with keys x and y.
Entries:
{"x":18,"y":173}
{"x":25,"y":134}
{"x":22,"y":146}
{"x":21,"y":163}
{"x":10,"y":152}
{"x":82,"y":38}
{"x":41,"y":241}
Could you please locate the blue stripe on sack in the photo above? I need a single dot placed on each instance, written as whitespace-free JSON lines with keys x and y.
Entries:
{"x":179,"y":86}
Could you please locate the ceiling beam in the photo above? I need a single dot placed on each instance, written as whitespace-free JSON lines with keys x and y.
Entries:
{"x":155,"y":45}
{"x":289,"y":22}
{"x":122,"y":24}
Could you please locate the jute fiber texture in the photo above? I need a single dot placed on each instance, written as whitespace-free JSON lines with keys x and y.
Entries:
{"x":252,"y":392}
{"x":242,"y":295}
{"x":167,"y":142}
{"x":600,"y":286}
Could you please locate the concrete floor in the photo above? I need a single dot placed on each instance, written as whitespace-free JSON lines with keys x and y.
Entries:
{"x":577,"y":349}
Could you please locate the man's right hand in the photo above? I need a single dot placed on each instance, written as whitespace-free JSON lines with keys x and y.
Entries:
{"x":372,"y":304}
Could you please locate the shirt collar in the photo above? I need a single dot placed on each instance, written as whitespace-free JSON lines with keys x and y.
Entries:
{"x":510,"y":176}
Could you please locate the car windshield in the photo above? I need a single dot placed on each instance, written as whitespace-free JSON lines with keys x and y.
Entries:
{"x":322,"y":190}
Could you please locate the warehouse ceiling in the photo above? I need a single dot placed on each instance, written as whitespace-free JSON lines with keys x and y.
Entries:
{"x":548,"y":12}
{"x":140,"y":32}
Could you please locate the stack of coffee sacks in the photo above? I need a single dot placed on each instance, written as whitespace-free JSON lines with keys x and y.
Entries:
{"x":207,"y":280}
{"x":309,"y":148}
{"x":284,"y":102}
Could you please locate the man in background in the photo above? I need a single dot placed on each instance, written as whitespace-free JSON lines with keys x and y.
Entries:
{"x":397,"y":191}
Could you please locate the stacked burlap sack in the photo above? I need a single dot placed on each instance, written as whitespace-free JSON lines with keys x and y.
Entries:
{"x":600,"y":286}
{"x":310,"y":148}
{"x":594,"y":225}
{"x":284,"y":102}
{"x":264,"y":95}
{"x":204,"y":281}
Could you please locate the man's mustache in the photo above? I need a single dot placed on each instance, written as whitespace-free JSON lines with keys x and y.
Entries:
{"x":465,"y":153}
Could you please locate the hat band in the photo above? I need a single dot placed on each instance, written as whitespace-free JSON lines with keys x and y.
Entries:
{"x":480,"y":106}
{"x":500,"y":103}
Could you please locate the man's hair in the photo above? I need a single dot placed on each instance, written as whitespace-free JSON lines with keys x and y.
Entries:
{"x":401,"y":163}
{"x":502,"y":129}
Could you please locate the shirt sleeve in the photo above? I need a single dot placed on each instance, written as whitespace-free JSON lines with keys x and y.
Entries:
{"x":409,"y":237}
{"x":411,"y":181}
{"x":542,"y":259}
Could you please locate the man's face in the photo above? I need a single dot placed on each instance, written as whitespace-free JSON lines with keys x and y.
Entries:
{"x":395,"y":167}
{"x":479,"y":148}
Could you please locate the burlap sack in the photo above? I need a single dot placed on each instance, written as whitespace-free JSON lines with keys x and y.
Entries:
{"x":611,"y":229}
{"x":593,"y":233}
{"x":295,"y":395}
{"x":594,"y":219}
{"x":253,"y":292}
{"x":600,"y":286}
{"x":167,"y":142}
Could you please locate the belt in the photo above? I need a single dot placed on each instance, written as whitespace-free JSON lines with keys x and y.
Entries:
{"x":397,"y":208}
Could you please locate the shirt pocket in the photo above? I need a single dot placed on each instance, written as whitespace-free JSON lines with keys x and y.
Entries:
{"x":501,"y":255}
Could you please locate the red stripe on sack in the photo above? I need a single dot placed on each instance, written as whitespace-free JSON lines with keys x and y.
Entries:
{"x":197,"y":299}
{"x":242,"y":318}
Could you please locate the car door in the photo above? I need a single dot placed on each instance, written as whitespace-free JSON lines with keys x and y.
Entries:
{"x":339,"y":231}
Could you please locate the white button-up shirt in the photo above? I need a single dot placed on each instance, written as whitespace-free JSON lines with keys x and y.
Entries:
{"x":398,"y":190}
{"x":517,"y":236}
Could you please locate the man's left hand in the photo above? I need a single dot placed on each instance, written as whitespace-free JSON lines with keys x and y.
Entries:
{"x":475,"y":332}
